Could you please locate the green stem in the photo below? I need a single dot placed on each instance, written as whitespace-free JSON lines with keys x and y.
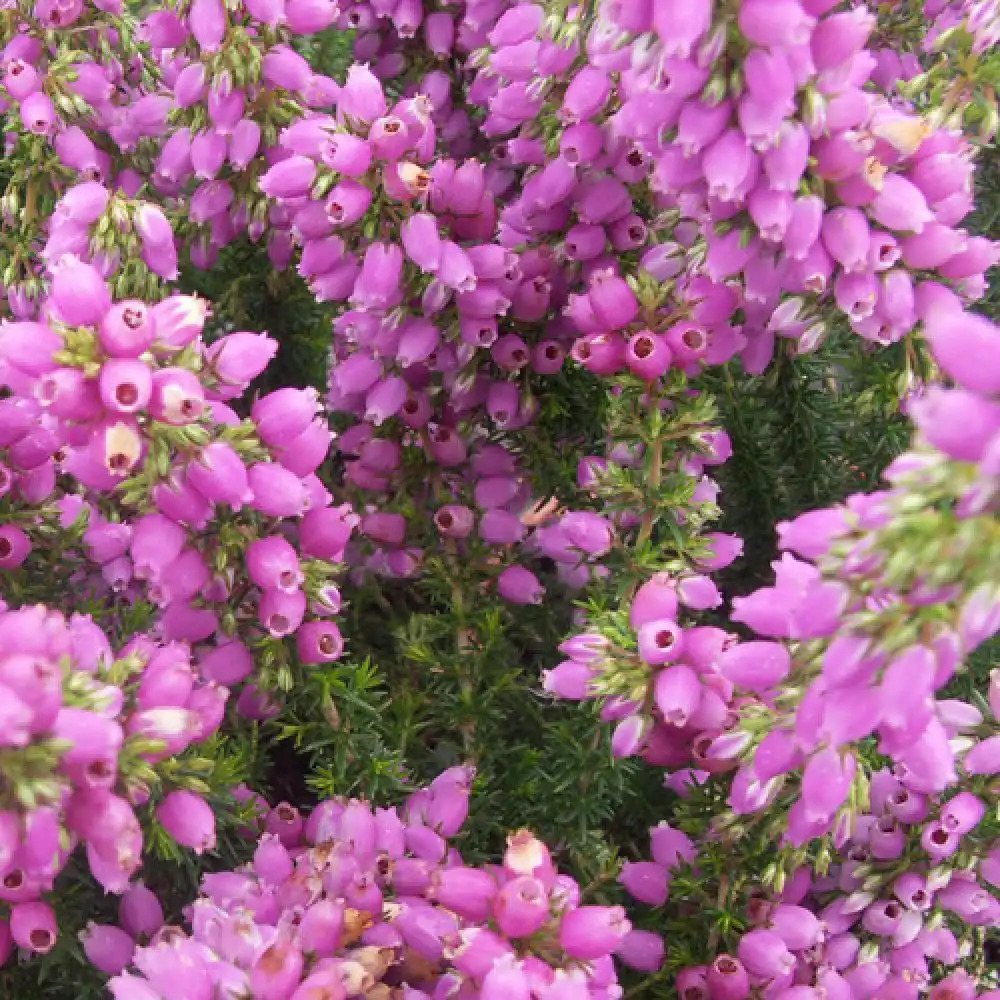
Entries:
{"x":655,"y":479}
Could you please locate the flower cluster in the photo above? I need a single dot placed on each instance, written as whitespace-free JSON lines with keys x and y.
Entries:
{"x":841,"y":726}
{"x":877,"y":637}
{"x":128,"y":400}
{"x":890,"y":906}
{"x":354,"y":901}
{"x":84,"y":729}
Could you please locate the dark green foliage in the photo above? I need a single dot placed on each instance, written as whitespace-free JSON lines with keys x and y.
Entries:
{"x":438,"y":699}
{"x":986,"y":218}
{"x":248,"y":294}
{"x":810,"y":431}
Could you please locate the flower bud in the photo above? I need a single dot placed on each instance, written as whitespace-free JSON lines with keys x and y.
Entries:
{"x":189,"y":819}
{"x":469,"y":892}
{"x":276,"y":492}
{"x":79,"y":293}
{"x":521,"y":907}
{"x":645,"y":881}
{"x":591,"y":932}
{"x":519,"y":586}
{"x":108,"y":948}
{"x":219,"y":475}
{"x":139,"y":911}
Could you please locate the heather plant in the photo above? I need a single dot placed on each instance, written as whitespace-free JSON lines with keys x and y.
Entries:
{"x":497,"y":499}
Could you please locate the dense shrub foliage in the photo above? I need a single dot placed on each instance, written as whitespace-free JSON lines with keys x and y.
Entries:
{"x":498,"y":499}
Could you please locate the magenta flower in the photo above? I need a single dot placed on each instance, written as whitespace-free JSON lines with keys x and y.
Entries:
{"x":140,"y":912}
{"x":755,"y":666}
{"x":519,"y":586}
{"x":33,"y":926}
{"x":590,"y":932}
{"x":319,"y":642}
{"x":108,"y":948}
{"x":189,"y":819}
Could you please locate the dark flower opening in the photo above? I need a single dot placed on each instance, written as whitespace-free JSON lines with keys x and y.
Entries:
{"x":48,"y":390}
{"x":133,"y":318}
{"x":127,"y":394}
{"x":41,"y":940}
{"x":664,"y":639}
{"x":99,"y":770}
{"x":643,"y":347}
